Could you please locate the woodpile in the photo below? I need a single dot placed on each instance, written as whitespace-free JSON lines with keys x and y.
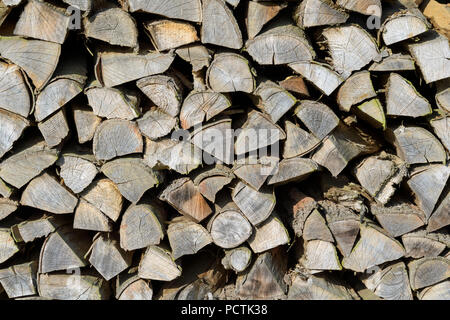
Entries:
{"x":224,"y":149}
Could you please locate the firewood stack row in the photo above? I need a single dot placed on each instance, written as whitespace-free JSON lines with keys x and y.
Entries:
{"x":212,"y":149}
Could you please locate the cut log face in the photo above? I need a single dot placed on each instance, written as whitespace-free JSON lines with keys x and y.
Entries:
{"x":255,"y":205}
{"x":441,"y":128}
{"x":419,"y":244}
{"x":108,"y":258}
{"x":403,"y":99}
{"x":293,"y":169}
{"x":30,"y":22}
{"x":428,"y":185}
{"x":280,"y":45}
{"x":260,"y":13}
{"x":133,"y":288}
{"x":27,"y":163}
{"x":9,"y":247}
{"x":168,"y":34}
{"x":354,"y":90}
{"x":374,"y":248}
{"x":317,"y":117}
{"x":45,"y":193}
{"x":295,"y":84}
{"x":321,"y":75}
{"x":113,"y":26}
{"x":440,"y":291}
{"x":158,"y":264}
{"x":210,"y":181}
{"x":196,"y":54}
{"x":431,"y":56}
{"x":254,"y":171}
{"x":12,"y":127}
{"x":268,"y":235}
{"x":186,"y":199}
{"x":88,"y":217}
{"x":416,"y":145}
{"x":84,"y":5}
{"x":298,"y":141}
{"x":426,"y":272}
{"x":164,"y":91}
{"x":313,"y":13}
{"x":394,"y":62}
{"x":15,"y":92}
{"x":403,"y":25}
{"x":219,"y":26}
{"x":114,"y":138}
{"x":132,"y":177}
{"x":156,"y":124}
{"x":190,"y":10}
{"x":315,"y":228}
{"x":321,"y":255}
{"x":119,"y":68}
{"x":37,"y":58}
{"x":373,"y":112}
{"x":318,"y":288}
{"x":441,"y":216}
{"x":186,"y":237}
{"x":54,"y":129}
{"x":64,"y":249}
{"x":351,"y":48}
{"x":230,"y":72}
{"x":5,"y":190}
{"x":104,"y":195}
{"x":443,"y":98}
{"x":78,"y":173}
{"x":274,"y":100}
{"x":19,"y":280}
{"x":7,"y":207}
{"x":86,"y":122}
{"x":361,"y":6}
{"x":142,"y":226}
{"x":237,"y":259}
{"x":30,"y":230}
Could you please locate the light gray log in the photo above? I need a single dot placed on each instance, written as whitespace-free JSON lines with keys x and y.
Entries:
{"x":269,"y":234}
{"x":210,"y":181}
{"x":315,"y":228}
{"x":373,"y":113}
{"x":393,"y":62}
{"x":104,"y":195}
{"x":317,"y":117}
{"x":312,"y":13}
{"x":54,"y":129}
{"x":19,"y":280}
{"x":440,"y":291}
{"x":260,"y":13}
{"x":318,"y":287}
{"x":237,"y":259}
{"x":15,"y":92}
{"x":84,"y":5}
{"x":7,"y":207}
{"x":402,"y":25}
{"x":443,"y":95}
{"x":158,"y":264}
{"x":419,"y":244}
{"x":320,"y":255}
{"x":130,"y":287}
{"x":77,"y":172}
{"x":441,"y":216}
{"x":5,"y":190}
{"x":12,"y":128}
{"x":254,"y":171}
{"x":320,"y":74}
{"x":354,"y":90}
{"x":196,"y":54}
{"x":9,"y":247}
{"x":86,"y":122}
{"x":426,"y":272}
{"x":30,"y":230}
{"x":190,"y":10}
{"x":293,"y":169}
{"x":298,"y":141}
{"x":441,"y":129}
{"x":169,"y":34}
{"x":88,"y":217}
{"x":365,"y":7}
{"x":156,"y":124}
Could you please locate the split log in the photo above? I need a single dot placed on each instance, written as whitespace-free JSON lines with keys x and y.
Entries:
{"x":5,"y":190}
{"x":441,"y":216}
{"x":320,"y":255}
{"x":104,"y":195}
{"x":45,"y":193}
{"x":131,"y":287}
{"x":158,"y":264}
{"x":317,"y":117}
{"x":64,"y":249}
{"x":443,"y":95}
{"x":319,"y":74}
{"x":186,"y":237}
{"x":7,"y":207}
{"x":77,"y":171}
{"x":260,"y":13}
{"x":54,"y":129}
{"x":19,"y":280}
{"x":416,"y":145}
{"x":298,"y":141}
{"x":30,"y":230}
{"x":37,"y":58}
{"x":402,"y":99}
{"x":219,"y":27}
{"x":419,"y":244}
{"x":142,"y":226}
{"x":343,"y":192}
{"x":298,"y":207}
{"x":441,"y":129}
{"x":403,"y":25}
{"x":186,"y":199}
{"x":196,"y":54}
{"x":269,"y":234}
{"x":190,"y":10}
{"x":293,"y":169}
{"x":313,"y":13}
{"x":132,"y":177}
{"x":9,"y":247}
{"x":114,"y":26}
{"x":30,"y":23}
{"x":28,"y":162}
{"x":296,"y":85}
{"x":255,"y":205}
{"x":114,"y":138}
{"x":168,"y":34}
{"x":440,"y":291}
{"x":84,"y":5}
{"x":15,"y":92}
{"x":156,"y":124}
{"x":108,"y":258}
{"x":426,"y":272}
{"x":354,"y":90}
{"x":373,"y":113}
{"x":254,"y":171}
{"x":86,"y":122}
{"x":315,"y":228}
{"x":237,"y":259}
{"x":230,"y":72}
{"x":116,"y":68}
{"x":361,"y":6}
{"x":164,"y":91}
{"x":280,"y":45}
{"x":88,"y":217}
{"x":12,"y":128}
{"x":394,"y":62}
{"x":210,"y":181}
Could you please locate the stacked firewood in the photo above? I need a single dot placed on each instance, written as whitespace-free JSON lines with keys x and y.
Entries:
{"x":212,"y":149}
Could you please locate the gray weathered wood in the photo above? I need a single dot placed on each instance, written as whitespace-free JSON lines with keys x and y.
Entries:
{"x":428,"y":271}
{"x":373,"y":113}
{"x":158,"y":264}
{"x":130,"y":287}
{"x":315,"y":228}
{"x":293,"y":169}
{"x":441,"y":129}
{"x":269,"y":234}
{"x":210,"y":181}
{"x":156,"y":124}
{"x":104,"y":195}
{"x":12,"y":128}
{"x":196,"y":54}
{"x":190,"y":10}
{"x":9,"y":247}
{"x":320,"y":255}
{"x":312,"y":13}
{"x":320,"y":74}
{"x":169,"y":34}
{"x":317,"y":117}
{"x":54,"y":129}
{"x":440,"y":291}
{"x":7,"y":207}
{"x":354,"y":90}
{"x":403,"y":25}
{"x":298,"y":141}
{"x":15,"y":92}
{"x":318,"y":287}
{"x":254,"y":171}
{"x":260,"y":13}
{"x":237,"y":259}
{"x":393,"y":62}
{"x":86,"y":122}
{"x":419,"y":244}
{"x":77,"y":172}
{"x":441,"y":216}
{"x":19,"y":280}
{"x":32,"y":229}
{"x":88,"y":217}
{"x":361,"y":6}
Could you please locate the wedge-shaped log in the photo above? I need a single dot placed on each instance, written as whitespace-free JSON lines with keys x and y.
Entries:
{"x":237,"y":259}
{"x":320,"y":255}
{"x":86,"y":122}
{"x":320,"y":74}
{"x":15,"y":92}
{"x":104,"y":195}
{"x":32,"y":229}
{"x":12,"y":128}
{"x":403,"y":25}
{"x":441,"y":128}
{"x":190,"y":10}
{"x":88,"y":217}
{"x":313,"y":13}
{"x":156,"y":124}
{"x":9,"y":247}
{"x":158,"y":264}
{"x":366,"y":7}
{"x":210,"y":181}
{"x":298,"y":141}
{"x":130,"y":287}
{"x":373,"y":113}
{"x":441,"y":216}
{"x":168,"y":34}
{"x":293,"y":169}
{"x":295,"y":84}
{"x":196,"y":54}
{"x":315,"y":228}
{"x":54,"y":129}
{"x":317,"y":117}
{"x":254,"y":171}
{"x":318,"y":287}
{"x":394,"y":62}
{"x":19,"y":280}
{"x":260,"y":13}
{"x":219,"y":26}
{"x":77,"y":171}
{"x":5,"y":190}
{"x":7,"y":207}
{"x":440,"y":291}
{"x":354,"y":90}
{"x":268,"y":235}
{"x":419,"y":244}
{"x":426,"y":272}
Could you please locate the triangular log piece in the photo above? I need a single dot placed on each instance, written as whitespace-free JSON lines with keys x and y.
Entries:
{"x":130,"y":287}
{"x":64,"y":249}
{"x":268,"y":235}
{"x":115,"y":68}
{"x":255,"y":205}
{"x":441,"y":216}
{"x":114,"y":26}
{"x":45,"y":193}
{"x":280,"y":45}
{"x":108,"y":258}
{"x":115,"y":138}
{"x":317,"y":117}
{"x":440,"y":291}
{"x":28,"y":162}
{"x":196,"y":54}
{"x":7,"y":207}
{"x":365,"y":7}
{"x":210,"y":181}
{"x":354,"y":90}
{"x":5,"y":190}
{"x":315,"y":228}
{"x":76,"y":171}
{"x":417,"y":145}
{"x":394,"y":62}
{"x":293,"y":169}
{"x":443,"y":95}
{"x":104,"y":195}
{"x":186,"y":237}
{"x":190,"y":10}
{"x":142,"y":225}
{"x":426,"y":272}
{"x":156,"y":124}
{"x":219,"y":26}
{"x":420,"y":244}
{"x":132,"y":177}
{"x":320,"y":255}
{"x":169,"y":34}
{"x":398,"y":218}
{"x":313,"y":13}
{"x":295,"y":84}
{"x":186,"y":199}
{"x":12,"y":128}
{"x":32,"y":229}
{"x":264,"y":279}
{"x":9,"y":247}
{"x":54,"y":129}
{"x":237,"y":259}
{"x":260,"y":13}
{"x":158,"y":264}
{"x":298,"y":207}
{"x":88,"y":217}
{"x":15,"y":92}
{"x":319,"y":74}
{"x":373,"y":113}
{"x":373,"y":248}
{"x":298,"y":141}
{"x":19,"y":280}
{"x":403,"y":25}
{"x":86,"y":122}
{"x":254,"y":171}
{"x":441,"y":129}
